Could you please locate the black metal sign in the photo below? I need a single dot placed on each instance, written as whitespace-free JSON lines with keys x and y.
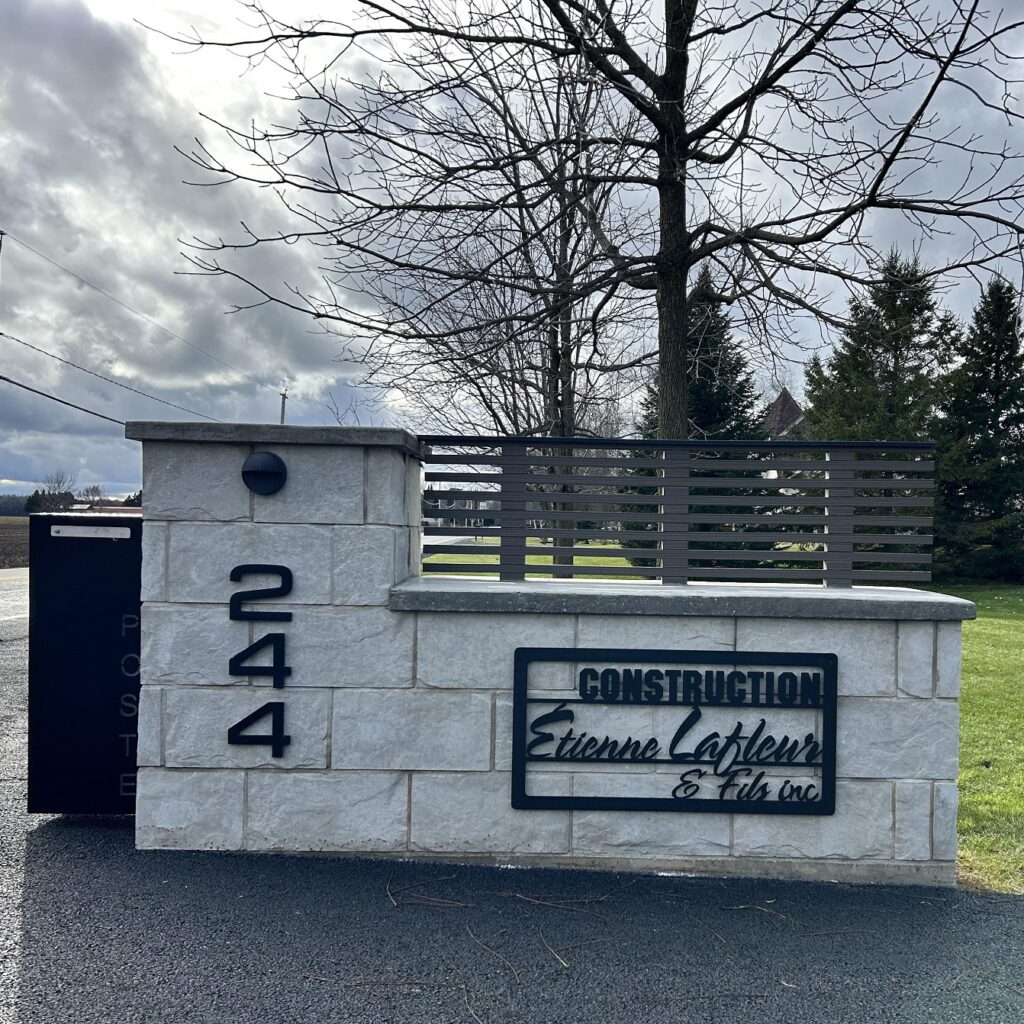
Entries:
{"x":658,"y":730}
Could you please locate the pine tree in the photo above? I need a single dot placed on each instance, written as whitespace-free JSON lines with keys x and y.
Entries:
{"x":980,"y":514}
{"x":879,"y":383}
{"x":722,"y":398}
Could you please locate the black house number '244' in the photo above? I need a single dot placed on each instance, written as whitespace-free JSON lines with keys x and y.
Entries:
{"x":277,"y":670}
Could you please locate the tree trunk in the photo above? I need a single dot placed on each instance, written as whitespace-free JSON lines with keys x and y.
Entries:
{"x":567,"y":365}
{"x":552,"y":382}
{"x":674,"y":252}
{"x":564,"y":426}
{"x":672,"y":351}
{"x":565,"y":381}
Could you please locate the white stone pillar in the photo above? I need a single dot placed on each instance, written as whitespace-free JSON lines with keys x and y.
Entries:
{"x":346,"y":526}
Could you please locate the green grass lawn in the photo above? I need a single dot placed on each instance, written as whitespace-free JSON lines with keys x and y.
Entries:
{"x":600,"y":553}
{"x":991,"y":822}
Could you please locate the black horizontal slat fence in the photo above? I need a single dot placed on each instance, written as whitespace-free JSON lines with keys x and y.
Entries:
{"x":832,"y":513}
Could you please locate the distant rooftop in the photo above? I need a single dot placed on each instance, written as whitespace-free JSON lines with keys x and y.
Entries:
{"x":783,"y":415}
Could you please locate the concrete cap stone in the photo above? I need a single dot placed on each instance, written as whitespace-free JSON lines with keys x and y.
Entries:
{"x":438,"y":593}
{"x":272,"y":433}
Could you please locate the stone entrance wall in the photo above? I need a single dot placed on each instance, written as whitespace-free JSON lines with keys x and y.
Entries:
{"x":399,"y":701}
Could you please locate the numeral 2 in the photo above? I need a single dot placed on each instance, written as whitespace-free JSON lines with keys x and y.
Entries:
{"x":277,"y":669}
{"x":238,"y":613}
{"x":275,"y":739}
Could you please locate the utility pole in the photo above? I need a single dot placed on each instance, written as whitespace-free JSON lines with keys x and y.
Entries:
{"x":284,"y":399}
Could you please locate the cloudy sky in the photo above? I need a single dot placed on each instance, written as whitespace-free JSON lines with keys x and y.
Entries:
{"x":91,"y":107}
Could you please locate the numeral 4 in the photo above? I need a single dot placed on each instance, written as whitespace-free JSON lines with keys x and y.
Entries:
{"x":275,"y":739}
{"x":277,"y":669}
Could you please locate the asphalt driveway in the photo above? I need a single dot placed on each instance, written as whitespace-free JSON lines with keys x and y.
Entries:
{"x":93,"y":931}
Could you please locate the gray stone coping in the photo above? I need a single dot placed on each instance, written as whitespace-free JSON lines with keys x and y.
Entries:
{"x":272,"y":433}
{"x":606,"y":597}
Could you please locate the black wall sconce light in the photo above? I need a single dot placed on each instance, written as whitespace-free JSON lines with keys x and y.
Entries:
{"x":264,"y":473}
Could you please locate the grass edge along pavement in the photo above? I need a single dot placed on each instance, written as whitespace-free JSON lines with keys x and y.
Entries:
{"x":991,"y":817}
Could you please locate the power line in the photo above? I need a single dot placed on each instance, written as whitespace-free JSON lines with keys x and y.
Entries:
{"x":135,"y":312}
{"x":54,"y":398}
{"x":109,"y":380}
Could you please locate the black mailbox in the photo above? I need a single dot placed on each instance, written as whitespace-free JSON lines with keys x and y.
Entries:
{"x":85,"y":572}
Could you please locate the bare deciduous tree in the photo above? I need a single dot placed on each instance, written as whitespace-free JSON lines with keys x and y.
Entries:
{"x":54,"y":493}
{"x":524,"y":350}
{"x":93,"y":494}
{"x":60,"y":481}
{"x":767,"y":139}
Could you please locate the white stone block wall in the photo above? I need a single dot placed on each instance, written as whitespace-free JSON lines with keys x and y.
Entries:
{"x":344,"y":526}
{"x":400,"y":720}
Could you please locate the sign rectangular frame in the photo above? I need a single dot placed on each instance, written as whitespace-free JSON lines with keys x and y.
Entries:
{"x":525,"y":656}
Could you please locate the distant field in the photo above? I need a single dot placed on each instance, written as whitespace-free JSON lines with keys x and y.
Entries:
{"x":13,"y":542}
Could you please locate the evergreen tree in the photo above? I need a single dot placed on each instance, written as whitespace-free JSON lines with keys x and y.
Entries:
{"x":45,"y":501}
{"x":722,"y":398}
{"x":980,"y":514}
{"x":879,"y":383}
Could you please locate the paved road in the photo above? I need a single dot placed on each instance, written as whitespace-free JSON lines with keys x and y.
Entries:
{"x":13,"y":602}
{"x":92,"y":931}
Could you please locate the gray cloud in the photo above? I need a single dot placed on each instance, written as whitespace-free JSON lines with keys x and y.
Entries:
{"x":90,"y":115}
{"x":90,"y":112}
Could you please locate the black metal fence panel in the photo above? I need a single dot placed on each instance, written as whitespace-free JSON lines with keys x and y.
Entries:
{"x":832,"y":513}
